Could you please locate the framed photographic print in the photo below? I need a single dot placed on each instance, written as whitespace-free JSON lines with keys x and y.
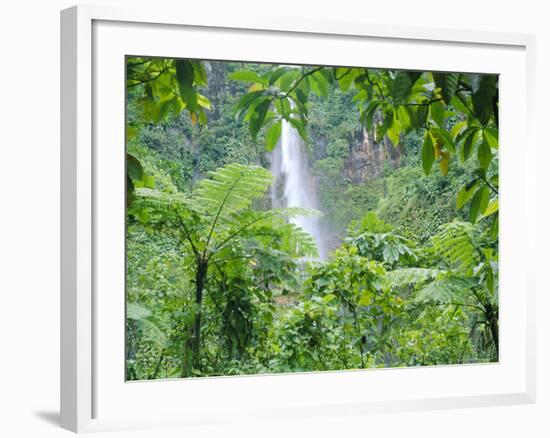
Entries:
{"x":277,"y":217}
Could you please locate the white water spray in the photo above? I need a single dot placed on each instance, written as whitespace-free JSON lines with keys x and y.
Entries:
{"x":293,"y":185}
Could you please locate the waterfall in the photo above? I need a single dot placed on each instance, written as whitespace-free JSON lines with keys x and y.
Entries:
{"x":293,"y":185}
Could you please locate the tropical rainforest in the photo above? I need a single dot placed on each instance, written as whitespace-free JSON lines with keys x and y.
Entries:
{"x":291,"y":218}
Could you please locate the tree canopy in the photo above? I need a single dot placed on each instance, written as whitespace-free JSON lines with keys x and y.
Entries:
{"x":220,"y":281}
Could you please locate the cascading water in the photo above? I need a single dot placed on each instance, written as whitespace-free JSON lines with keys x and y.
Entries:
{"x":293,"y":185}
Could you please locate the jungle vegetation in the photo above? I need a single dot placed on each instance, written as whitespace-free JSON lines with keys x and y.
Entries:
{"x":222,"y":282}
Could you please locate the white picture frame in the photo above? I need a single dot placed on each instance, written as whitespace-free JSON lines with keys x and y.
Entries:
{"x":93,"y":39}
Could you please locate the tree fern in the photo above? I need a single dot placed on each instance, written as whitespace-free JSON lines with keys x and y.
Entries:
{"x":231,"y":188}
{"x":296,"y":241}
{"x":405,"y":276}
{"x":219,"y":212}
{"x":218,"y":224}
{"x":271,"y":227}
{"x":434,"y":285}
{"x":454,"y":244}
{"x":447,"y":290}
{"x":143,"y":318}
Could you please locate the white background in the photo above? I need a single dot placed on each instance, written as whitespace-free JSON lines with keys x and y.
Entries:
{"x":29,"y":218}
{"x":229,"y":397}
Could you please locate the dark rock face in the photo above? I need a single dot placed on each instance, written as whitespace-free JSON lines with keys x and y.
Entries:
{"x":216,"y":89}
{"x":367,"y":157}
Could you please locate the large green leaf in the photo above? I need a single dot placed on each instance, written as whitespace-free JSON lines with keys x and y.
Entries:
{"x":320,"y":84}
{"x":201,"y":77}
{"x":414,"y":75}
{"x":247,"y":100}
{"x":471,"y":139}
{"x":382,"y":128}
{"x":492,"y":208}
{"x":299,"y":126}
{"x":428,"y":154}
{"x":402,"y":85}
{"x":479,"y":203}
{"x":482,"y":99}
{"x":272,"y":135}
{"x":491,"y":136}
{"x":345,"y":77}
{"x":277,"y":74}
{"x":367,"y":116}
{"x":134,"y":167}
{"x":484,"y":154}
{"x":257,"y":120}
{"x":437,"y":112}
{"x":288,"y":78}
{"x":466,"y":193}
{"x":448,"y":83}
{"x":418,"y":115}
{"x":185,"y":75}
{"x":394,"y":132}
{"x":248,"y":76}
{"x":444,"y":138}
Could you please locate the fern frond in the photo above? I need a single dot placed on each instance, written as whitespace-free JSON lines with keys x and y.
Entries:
{"x":143,"y":317}
{"x":297,"y":242}
{"x":154,"y":333}
{"x":454,"y":244}
{"x":446,"y":290}
{"x":231,"y":188}
{"x":406,"y":276}
{"x":136,"y":312}
{"x":157,"y":200}
{"x":292,"y":212}
{"x":271,"y":229}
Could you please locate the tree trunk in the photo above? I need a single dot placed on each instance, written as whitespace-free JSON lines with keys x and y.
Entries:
{"x":491,"y":316}
{"x":493,"y":324}
{"x":191,"y":357}
{"x":157,"y":367}
{"x":200,"y":280}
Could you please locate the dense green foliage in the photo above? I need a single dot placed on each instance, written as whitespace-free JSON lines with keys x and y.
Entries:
{"x":221,"y":283}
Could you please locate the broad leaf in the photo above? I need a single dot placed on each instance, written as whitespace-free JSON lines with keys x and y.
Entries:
{"x":492,"y":208}
{"x":428,"y":155}
{"x":466,"y":193}
{"x":272,"y":135}
{"x":134,"y":167}
{"x":248,"y":76}
{"x":448,"y":83}
{"x":482,"y":99}
{"x":484,"y":154}
{"x":402,"y":85}
{"x":491,"y":136}
{"x":479,"y":203}
{"x":185,"y":75}
{"x":257,"y":119}
{"x":437,"y":112}
{"x":470,"y":141}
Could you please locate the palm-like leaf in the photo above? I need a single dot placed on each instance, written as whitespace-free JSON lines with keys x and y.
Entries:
{"x":231,"y":188}
{"x":447,"y":290}
{"x":270,"y":228}
{"x":406,"y":276}
{"x":454,"y":244}
{"x":143,"y":317}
